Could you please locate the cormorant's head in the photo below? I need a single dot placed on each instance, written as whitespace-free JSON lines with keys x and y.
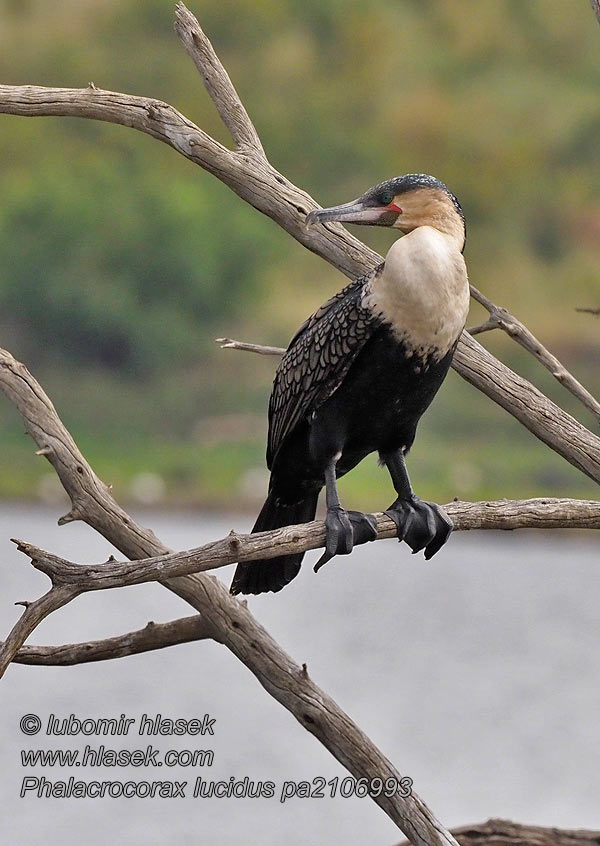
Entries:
{"x":404,"y":203}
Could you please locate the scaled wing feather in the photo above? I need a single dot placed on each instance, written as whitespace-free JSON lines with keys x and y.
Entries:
{"x":317,"y":361}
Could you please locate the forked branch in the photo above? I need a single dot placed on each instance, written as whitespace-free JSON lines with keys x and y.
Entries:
{"x":503,"y":514}
{"x":500,"y":318}
{"x":33,"y":615}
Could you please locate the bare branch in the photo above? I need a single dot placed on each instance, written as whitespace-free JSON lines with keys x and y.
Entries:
{"x":229,"y":344}
{"x":500,"y":318}
{"x":152,"y":117}
{"x":596,"y":8}
{"x":217,"y":82}
{"x":503,"y":514}
{"x":288,"y":540}
{"x":539,"y":513}
{"x":595,"y":311}
{"x":507,"y":833}
{"x":90,"y":497}
{"x":531,"y":407}
{"x":69,"y":579}
{"x":483,"y":327}
{"x":250,"y":177}
{"x":33,"y":615}
{"x":153,"y":636}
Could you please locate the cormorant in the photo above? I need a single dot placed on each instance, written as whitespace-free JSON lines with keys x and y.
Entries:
{"x":359,"y":373}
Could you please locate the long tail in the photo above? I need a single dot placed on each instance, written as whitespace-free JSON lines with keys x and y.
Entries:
{"x":272,"y":574}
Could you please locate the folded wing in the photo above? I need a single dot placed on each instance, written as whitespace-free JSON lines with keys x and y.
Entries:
{"x":317,"y":361}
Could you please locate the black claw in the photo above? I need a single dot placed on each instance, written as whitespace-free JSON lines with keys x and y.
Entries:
{"x":444,"y":530}
{"x":322,"y":560}
{"x":422,"y":525}
{"x":422,"y":530}
{"x":338,"y":540}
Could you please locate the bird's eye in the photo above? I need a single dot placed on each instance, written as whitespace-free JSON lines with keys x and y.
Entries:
{"x":386,"y":198}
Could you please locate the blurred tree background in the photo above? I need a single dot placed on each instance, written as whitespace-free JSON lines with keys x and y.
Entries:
{"x":121,"y":262}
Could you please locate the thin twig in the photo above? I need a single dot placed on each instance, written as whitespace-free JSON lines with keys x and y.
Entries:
{"x":230,"y":344}
{"x":595,"y":311}
{"x":596,"y":8}
{"x":492,"y":323}
{"x":500,"y":318}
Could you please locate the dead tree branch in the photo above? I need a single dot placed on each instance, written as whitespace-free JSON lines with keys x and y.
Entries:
{"x":70,"y":579}
{"x":74,"y":578}
{"x":261,"y":349}
{"x":531,"y":407}
{"x":596,"y":8}
{"x":153,"y":636}
{"x":224,"y":618}
{"x":247,"y":172}
{"x":33,"y":615}
{"x":500,"y":318}
{"x":288,"y":540}
{"x":507,"y":833}
{"x":217,"y":83}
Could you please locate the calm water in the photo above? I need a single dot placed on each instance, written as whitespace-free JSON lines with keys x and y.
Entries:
{"x":477,"y":673}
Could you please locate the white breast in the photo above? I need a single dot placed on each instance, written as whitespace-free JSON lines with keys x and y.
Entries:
{"x":422,"y":291}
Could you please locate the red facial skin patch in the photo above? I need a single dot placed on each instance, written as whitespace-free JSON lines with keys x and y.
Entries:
{"x":393,"y":207}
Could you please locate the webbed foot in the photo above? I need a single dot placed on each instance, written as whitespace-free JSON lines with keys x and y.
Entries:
{"x":364,"y":527}
{"x":422,"y":525}
{"x":345,"y":530}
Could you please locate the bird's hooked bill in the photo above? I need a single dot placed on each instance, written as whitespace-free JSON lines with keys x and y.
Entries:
{"x":354,"y":212}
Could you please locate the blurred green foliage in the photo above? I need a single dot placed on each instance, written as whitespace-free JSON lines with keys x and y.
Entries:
{"x":121,"y":261}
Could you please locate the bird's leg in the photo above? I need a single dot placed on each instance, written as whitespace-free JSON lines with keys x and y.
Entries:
{"x":423,"y":525}
{"x":345,"y":529}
